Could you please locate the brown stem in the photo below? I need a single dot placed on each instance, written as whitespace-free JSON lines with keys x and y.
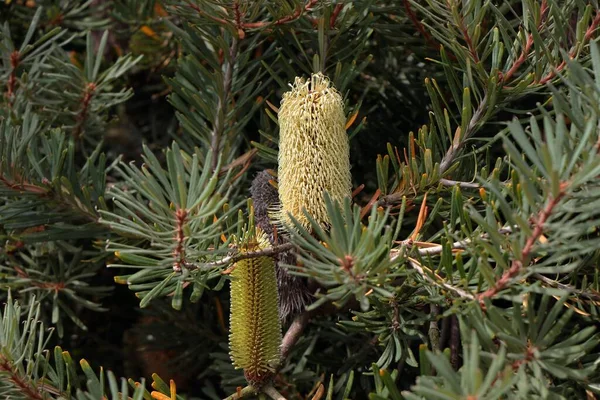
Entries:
{"x":334,"y":14}
{"x":288,"y":18}
{"x":588,"y":34}
{"x":525,"y":52}
{"x":25,"y":387}
{"x":199,"y":10}
{"x":450,"y":156}
{"x":219,"y":125}
{"x":454,"y":342}
{"x":528,"y":357}
{"x":468,"y":40}
{"x":592,"y":28}
{"x":445,"y":333}
{"x":518,"y":264}
{"x":434,"y":329}
{"x":293,"y":334}
{"x":49,"y":194}
{"x":464,"y":185}
{"x":367,"y":208}
{"x":593,"y":296}
{"x":88,"y":94}
{"x":520,"y":60}
{"x":12,"y":78}
{"x":438,"y":281}
{"x":24,"y":187}
{"x":413,"y":18}
{"x":455,"y":148}
{"x":270,"y":391}
{"x":55,"y":286}
{"x":271,"y":251}
{"x":179,"y":252}
{"x":238,"y":20}
{"x":242,"y":393}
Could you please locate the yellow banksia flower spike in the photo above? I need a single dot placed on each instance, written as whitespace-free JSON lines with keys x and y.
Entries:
{"x":255,"y":328}
{"x":314,"y":153}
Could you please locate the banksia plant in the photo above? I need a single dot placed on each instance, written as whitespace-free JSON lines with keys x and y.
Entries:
{"x":465,"y":265}
{"x":313,"y":150}
{"x":255,"y":329}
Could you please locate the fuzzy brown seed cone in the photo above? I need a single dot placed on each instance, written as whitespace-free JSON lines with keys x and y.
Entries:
{"x":293,"y":292}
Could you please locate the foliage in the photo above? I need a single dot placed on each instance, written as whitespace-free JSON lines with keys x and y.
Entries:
{"x":30,"y":371}
{"x":156,"y":203}
{"x":464,"y":265}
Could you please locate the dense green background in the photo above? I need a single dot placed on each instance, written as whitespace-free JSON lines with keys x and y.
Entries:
{"x":94,"y":90}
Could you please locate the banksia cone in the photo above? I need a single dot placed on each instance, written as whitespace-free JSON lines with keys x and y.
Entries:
{"x":255,"y":329}
{"x":313,"y":150}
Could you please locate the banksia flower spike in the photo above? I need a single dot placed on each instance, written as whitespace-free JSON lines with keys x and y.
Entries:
{"x":255,"y":328}
{"x":314,"y":153}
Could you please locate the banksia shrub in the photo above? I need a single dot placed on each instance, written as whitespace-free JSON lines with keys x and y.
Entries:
{"x":313,"y":150}
{"x":459,"y":260}
{"x":255,"y":329}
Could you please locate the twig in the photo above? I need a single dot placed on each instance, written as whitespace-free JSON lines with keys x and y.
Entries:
{"x":218,"y":128}
{"x":568,"y":288}
{"x":367,"y":208}
{"x":12,"y":78}
{"x":238,"y":20}
{"x":445,"y":334}
{"x":520,"y":60}
{"x":588,"y":34}
{"x":434,"y":329}
{"x":454,"y":149}
{"x":293,"y":334}
{"x":25,"y":187}
{"x":518,"y":264}
{"x":439,"y":282}
{"x":529,"y":42}
{"x":413,"y":18}
{"x":179,"y":252}
{"x":454,"y":342}
{"x":242,"y":161}
{"x":54,"y":286}
{"x":334,"y":14}
{"x":468,"y":40}
{"x":362,"y":185}
{"x":437,"y":249}
{"x":428,"y":275}
{"x":592,"y":28}
{"x":201,"y":12}
{"x":242,"y":393}
{"x":288,"y":18}
{"x":464,"y":185}
{"x":450,"y":155}
{"x":270,"y":251}
{"x":29,"y":392}
{"x":88,"y":94}
{"x":270,"y":391}
{"x":48,"y":193}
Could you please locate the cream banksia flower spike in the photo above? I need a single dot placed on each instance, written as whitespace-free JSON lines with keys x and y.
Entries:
{"x":255,"y":328}
{"x":314,"y":153}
